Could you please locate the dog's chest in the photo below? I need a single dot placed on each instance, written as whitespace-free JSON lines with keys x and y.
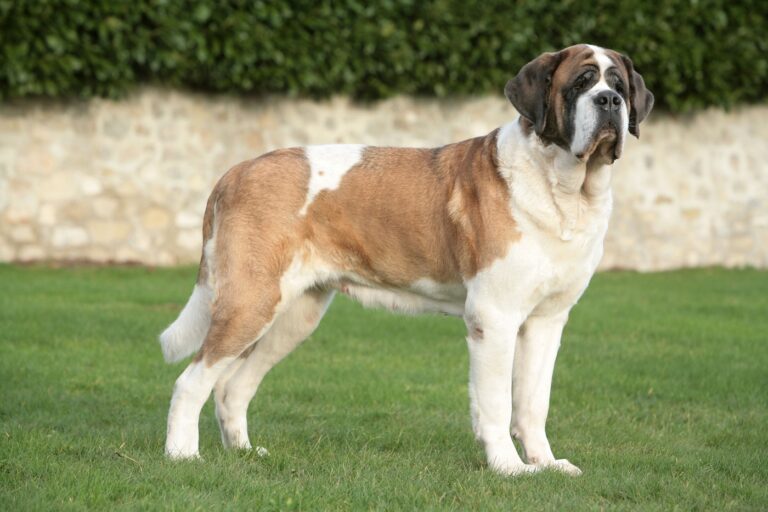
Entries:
{"x":555,"y":259}
{"x":565,"y":261}
{"x":551,"y":263}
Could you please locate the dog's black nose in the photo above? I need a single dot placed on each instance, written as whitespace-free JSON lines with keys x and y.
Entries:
{"x":608,"y":100}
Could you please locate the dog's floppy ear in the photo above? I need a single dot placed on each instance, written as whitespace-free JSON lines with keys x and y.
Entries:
{"x":529,"y":90}
{"x":640,"y":98}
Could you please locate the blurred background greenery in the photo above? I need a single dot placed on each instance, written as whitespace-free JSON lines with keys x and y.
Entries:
{"x":692,"y":53}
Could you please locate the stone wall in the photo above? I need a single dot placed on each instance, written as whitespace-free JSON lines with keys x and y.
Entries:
{"x":127,"y":181}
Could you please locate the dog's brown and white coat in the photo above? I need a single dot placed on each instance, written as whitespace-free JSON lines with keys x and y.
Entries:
{"x":504,"y":230}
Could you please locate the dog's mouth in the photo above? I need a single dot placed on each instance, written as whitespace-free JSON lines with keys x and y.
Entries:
{"x":606,"y":145}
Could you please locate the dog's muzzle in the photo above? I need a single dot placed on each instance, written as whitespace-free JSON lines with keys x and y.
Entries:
{"x":609,"y":104}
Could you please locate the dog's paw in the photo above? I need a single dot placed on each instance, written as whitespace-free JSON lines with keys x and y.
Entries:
{"x":564,"y":466}
{"x":261,"y":451}
{"x":513,"y":468}
{"x":181,"y":455}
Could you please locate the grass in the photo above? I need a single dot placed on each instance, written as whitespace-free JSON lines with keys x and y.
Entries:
{"x":660,"y":396}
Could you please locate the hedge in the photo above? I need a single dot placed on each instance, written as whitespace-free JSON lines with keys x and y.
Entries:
{"x":692,"y":53}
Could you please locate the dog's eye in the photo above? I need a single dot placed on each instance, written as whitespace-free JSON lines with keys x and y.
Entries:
{"x":616,"y":82}
{"x":583,"y":79}
{"x":619,"y":86}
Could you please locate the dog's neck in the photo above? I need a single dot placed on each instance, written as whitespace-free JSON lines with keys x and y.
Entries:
{"x":561,"y":192}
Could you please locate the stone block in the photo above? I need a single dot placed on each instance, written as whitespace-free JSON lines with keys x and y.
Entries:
{"x":190,"y":239}
{"x":46,"y":216}
{"x":104,"y":207}
{"x":108,"y":231}
{"x":69,"y":236}
{"x":23,"y":233}
{"x":185,"y":219}
{"x":155,"y":219}
{"x":58,"y":187}
{"x":90,"y":186}
{"x":31,"y":253}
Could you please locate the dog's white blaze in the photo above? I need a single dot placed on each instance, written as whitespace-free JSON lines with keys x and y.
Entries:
{"x":327,"y":166}
{"x":603,"y":62}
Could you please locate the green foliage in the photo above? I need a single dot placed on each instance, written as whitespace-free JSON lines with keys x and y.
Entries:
{"x":693,"y":53}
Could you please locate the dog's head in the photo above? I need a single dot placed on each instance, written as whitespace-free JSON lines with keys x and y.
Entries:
{"x":583,"y":99}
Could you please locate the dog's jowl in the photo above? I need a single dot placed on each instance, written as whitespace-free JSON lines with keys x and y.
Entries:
{"x":504,"y":230}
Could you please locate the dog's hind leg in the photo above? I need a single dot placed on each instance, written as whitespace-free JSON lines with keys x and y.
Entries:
{"x":237,"y":322}
{"x":234,"y":394}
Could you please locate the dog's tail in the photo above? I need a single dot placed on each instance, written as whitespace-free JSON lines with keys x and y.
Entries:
{"x":187,"y":333}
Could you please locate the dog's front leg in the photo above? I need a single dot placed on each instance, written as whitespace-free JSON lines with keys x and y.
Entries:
{"x":491,"y":341}
{"x":535,"y":354}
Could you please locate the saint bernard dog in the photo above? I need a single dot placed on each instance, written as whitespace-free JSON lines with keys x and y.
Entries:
{"x":503,"y":230}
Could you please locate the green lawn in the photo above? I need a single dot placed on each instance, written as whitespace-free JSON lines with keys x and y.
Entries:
{"x":660,"y":396}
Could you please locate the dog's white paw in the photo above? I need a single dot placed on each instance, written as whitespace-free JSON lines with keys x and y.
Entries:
{"x":261,"y":451}
{"x":512,"y":468}
{"x":181,"y":455}
{"x":564,"y":466}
